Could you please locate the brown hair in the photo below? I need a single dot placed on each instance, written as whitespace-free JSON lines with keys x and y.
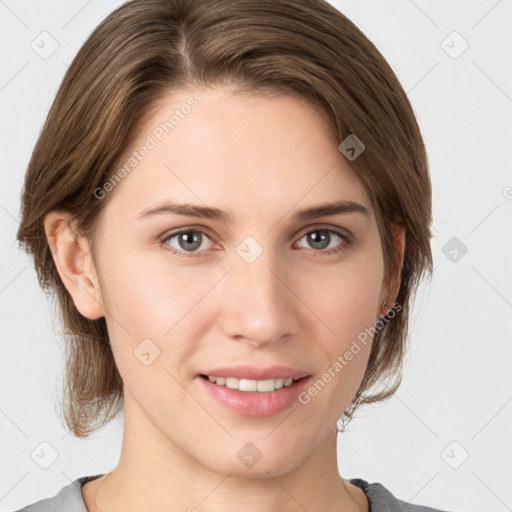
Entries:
{"x":147,"y":48}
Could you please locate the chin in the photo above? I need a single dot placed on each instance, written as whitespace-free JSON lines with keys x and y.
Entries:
{"x":262,"y":469}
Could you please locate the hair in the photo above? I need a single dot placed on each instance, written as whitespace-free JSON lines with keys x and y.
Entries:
{"x":144,"y":50}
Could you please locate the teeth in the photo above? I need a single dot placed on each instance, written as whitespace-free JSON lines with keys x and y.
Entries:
{"x":251,"y":385}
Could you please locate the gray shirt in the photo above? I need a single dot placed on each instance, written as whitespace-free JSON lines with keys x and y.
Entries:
{"x":69,"y":499}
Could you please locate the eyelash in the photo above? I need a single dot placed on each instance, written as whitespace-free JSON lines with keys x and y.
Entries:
{"x":347,"y":241}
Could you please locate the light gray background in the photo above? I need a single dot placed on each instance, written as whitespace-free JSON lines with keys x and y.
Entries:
{"x":456,"y":396}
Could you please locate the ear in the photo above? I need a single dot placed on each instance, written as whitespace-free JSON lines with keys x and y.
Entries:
{"x":392,"y":283}
{"x":73,"y":259}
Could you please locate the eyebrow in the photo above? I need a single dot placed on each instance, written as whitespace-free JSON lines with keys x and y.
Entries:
{"x":206,"y":212}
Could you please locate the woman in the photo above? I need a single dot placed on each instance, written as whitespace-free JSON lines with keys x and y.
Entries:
{"x":231,"y":200}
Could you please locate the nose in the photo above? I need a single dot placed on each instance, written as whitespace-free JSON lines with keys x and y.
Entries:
{"x":259,"y":306}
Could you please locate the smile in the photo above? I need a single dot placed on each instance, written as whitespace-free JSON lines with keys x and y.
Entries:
{"x":254,"y":397}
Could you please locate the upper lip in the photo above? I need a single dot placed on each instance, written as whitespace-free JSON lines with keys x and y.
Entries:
{"x":254,"y":373}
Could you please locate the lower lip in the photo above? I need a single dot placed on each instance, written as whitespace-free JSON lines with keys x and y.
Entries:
{"x":256,"y":403}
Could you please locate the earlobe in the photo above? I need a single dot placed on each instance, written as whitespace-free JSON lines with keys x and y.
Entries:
{"x":73,"y":260}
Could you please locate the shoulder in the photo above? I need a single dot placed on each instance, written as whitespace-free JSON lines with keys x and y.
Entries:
{"x":68,"y":499}
{"x":382,"y":500}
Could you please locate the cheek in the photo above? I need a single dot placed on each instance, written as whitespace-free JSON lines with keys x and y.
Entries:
{"x":149,"y":297}
{"x":150,"y":308}
{"x":344,"y":299}
{"x":345,"y":296}
{"x":130,"y":290}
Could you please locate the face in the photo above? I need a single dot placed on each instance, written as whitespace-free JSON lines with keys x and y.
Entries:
{"x":262,"y":286}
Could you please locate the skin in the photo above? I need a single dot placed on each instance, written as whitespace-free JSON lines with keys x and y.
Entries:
{"x":262,"y":159}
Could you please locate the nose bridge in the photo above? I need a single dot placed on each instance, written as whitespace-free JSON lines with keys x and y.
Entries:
{"x":259,"y":305}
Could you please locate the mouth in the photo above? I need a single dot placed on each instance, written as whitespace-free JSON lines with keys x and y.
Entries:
{"x":254,"y":397}
{"x":248,"y":385}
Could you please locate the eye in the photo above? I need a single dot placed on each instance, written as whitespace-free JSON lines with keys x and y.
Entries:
{"x":188,"y":240}
{"x":321,"y":238}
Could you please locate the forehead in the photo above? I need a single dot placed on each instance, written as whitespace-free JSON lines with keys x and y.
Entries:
{"x":243,"y":153}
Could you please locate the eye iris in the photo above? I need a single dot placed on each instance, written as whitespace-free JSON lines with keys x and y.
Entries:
{"x":188,"y":238}
{"x":314,"y":239}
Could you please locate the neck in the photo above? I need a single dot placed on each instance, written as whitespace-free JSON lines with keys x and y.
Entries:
{"x":154,"y":472}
